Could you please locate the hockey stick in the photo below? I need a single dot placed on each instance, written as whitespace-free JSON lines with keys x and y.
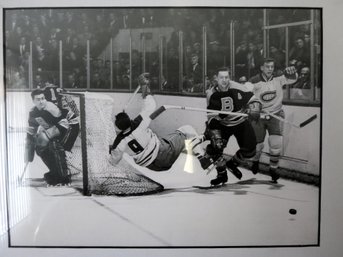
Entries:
{"x":204,"y":110}
{"x":131,"y":98}
{"x":301,"y":125}
{"x":20,"y":178}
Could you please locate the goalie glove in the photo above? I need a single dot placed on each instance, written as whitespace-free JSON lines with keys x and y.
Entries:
{"x":254,"y":111}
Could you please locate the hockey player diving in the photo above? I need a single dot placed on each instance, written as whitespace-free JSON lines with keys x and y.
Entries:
{"x":49,"y":134}
{"x":135,"y":138}
{"x":230,"y":96}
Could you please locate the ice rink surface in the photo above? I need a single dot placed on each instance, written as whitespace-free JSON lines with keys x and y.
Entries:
{"x":252,"y":212}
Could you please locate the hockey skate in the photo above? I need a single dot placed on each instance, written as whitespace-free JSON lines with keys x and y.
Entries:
{"x":53,"y":181}
{"x":255,"y":167}
{"x":275,"y":176}
{"x":221,"y":177}
{"x":233,"y":168}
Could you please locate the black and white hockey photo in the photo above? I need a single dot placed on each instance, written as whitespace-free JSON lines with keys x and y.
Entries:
{"x":162,"y":128}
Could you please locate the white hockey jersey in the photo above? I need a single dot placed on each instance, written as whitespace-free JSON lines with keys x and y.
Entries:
{"x":139,"y":141}
{"x":269,"y":91}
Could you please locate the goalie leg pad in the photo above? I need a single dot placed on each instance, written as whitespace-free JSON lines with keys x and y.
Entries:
{"x":54,"y":158}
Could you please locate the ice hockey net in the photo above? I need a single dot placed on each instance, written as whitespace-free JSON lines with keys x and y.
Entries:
{"x":89,"y":158}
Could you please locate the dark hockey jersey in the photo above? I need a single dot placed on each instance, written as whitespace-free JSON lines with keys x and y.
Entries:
{"x":50,"y":116}
{"x":235,"y":99}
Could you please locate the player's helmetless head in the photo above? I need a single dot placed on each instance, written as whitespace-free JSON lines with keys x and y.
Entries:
{"x":223,"y":79}
{"x":38,"y":99}
{"x":122,"y":121}
{"x":267,"y":67}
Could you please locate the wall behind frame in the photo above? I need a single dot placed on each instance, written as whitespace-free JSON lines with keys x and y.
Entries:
{"x":301,"y":146}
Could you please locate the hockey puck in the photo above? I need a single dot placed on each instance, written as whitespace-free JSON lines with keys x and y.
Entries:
{"x":293,"y":211}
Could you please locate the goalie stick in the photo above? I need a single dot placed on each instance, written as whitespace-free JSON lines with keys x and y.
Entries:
{"x":20,"y":178}
{"x":301,"y":125}
{"x":131,"y":98}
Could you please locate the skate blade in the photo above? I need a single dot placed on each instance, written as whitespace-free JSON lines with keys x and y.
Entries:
{"x":209,"y":187}
{"x":59,"y":185}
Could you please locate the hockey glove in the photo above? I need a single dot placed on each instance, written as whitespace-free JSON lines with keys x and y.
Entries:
{"x":213,"y":123}
{"x":254,"y":111}
{"x":143,"y":79}
{"x":144,"y":82}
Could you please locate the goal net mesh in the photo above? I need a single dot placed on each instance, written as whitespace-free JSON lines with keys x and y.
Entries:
{"x":89,"y":158}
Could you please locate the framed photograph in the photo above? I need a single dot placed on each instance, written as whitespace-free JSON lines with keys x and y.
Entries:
{"x":143,"y":130}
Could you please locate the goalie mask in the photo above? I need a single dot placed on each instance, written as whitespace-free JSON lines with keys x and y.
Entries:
{"x":122,"y":121}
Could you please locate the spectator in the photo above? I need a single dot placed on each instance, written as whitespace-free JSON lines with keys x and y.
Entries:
{"x":215,"y":58}
{"x":195,"y":81}
{"x":85,"y":36}
{"x":67,"y":39}
{"x":18,"y":80}
{"x":304,"y":81}
{"x":253,"y":60}
{"x":172,"y":76}
{"x":9,"y":42}
{"x":71,"y":82}
{"x":299,"y":52}
{"x":97,"y":82}
{"x":38,"y":82}
{"x":38,"y":52}
{"x":11,"y":59}
{"x":44,"y":24}
{"x":197,"y":49}
{"x":301,"y":89}
{"x":69,"y":20}
{"x":113,"y":24}
{"x":13,"y":23}
{"x":36,"y":32}
{"x":26,"y":25}
{"x":23,"y":46}
{"x":52,"y":58}
{"x":59,"y":21}
{"x":54,"y":35}
{"x":241,"y":53}
{"x":125,"y":19}
{"x":278,"y":57}
{"x":307,"y":40}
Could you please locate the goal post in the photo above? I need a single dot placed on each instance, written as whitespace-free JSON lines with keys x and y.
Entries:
{"x":88,"y":160}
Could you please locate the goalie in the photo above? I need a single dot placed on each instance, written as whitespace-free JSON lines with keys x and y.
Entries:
{"x":148,"y":150}
{"x":49,"y":135}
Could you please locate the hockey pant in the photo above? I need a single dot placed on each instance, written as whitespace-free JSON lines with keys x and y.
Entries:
{"x":246,"y":140}
{"x":53,"y":156}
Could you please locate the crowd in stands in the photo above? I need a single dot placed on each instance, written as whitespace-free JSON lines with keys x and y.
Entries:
{"x":45,"y":28}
